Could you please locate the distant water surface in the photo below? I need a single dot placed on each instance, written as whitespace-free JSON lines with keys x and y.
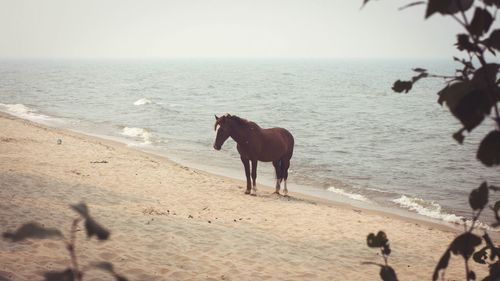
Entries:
{"x":355,"y":138}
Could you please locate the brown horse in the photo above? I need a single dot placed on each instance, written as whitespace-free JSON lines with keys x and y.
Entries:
{"x":256,"y":144}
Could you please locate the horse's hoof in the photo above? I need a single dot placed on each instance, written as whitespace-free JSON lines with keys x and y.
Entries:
{"x":247,"y":192}
{"x":276,"y":192}
{"x":253,"y":194}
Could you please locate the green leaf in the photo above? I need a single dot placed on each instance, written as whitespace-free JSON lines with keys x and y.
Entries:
{"x":494,"y":250}
{"x":387,"y":273}
{"x":459,"y":137}
{"x":400,"y":86}
{"x":480,"y":256}
{"x":371,"y":241}
{"x":481,"y":22}
{"x":412,"y":4}
{"x":32,"y":230}
{"x":467,"y":103}
{"x":472,"y":109}
{"x":419,"y":69}
{"x":494,"y":40}
{"x":442,"y":264}
{"x":464,"y":43}
{"x":489,"y":149}
{"x":478,"y":197}
{"x":377,"y":241}
{"x":494,"y":188}
{"x":453,"y":93}
{"x":492,"y":2}
{"x":496,"y":208}
{"x":465,"y":244}
{"x":494,"y":272}
{"x":471,"y":275}
{"x":386,"y":249}
{"x":486,"y":76}
{"x":447,"y":7}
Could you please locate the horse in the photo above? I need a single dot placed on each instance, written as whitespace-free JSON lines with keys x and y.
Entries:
{"x":257,"y":144}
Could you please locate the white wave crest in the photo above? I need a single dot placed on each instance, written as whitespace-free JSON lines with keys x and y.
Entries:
{"x":142,"y":101}
{"x":426,"y":208}
{"x":353,"y":196}
{"x":22,"y":111}
{"x":138,"y":133}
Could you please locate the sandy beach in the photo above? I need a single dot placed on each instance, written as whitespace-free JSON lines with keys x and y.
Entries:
{"x":170,"y":222}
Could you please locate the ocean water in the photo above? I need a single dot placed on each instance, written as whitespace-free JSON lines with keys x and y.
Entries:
{"x":356,"y":140}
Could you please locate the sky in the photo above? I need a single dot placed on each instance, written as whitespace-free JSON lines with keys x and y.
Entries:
{"x":221,"y":29}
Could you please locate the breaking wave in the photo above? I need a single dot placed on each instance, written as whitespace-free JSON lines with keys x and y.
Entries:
{"x":429,"y":209}
{"x":353,"y":196}
{"x":138,"y":134}
{"x":25,"y":112}
{"x":142,"y":101}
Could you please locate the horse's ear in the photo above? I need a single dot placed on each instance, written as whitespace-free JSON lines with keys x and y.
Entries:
{"x":216,"y":118}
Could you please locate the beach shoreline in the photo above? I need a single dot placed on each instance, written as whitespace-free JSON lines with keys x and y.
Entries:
{"x":202,"y":225}
{"x":304,"y":192}
{"x":336,"y":188}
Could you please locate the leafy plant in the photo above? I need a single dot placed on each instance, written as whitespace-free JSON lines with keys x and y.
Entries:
{"x":471,"y":94}
{"x":381,"y":241}
{"x":465,"y":244}
{"x":34,"y":230}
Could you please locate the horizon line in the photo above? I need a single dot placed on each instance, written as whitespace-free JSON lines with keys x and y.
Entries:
{"x":224,"y":58}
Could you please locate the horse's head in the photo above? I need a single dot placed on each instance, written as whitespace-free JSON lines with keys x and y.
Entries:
{"x":224,"y":130}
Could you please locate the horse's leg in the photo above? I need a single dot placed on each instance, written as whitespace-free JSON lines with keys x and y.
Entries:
{"x":254,"y":176}
{"x":246,"y":164}
{"x":277,"y":169}
{"x":285,"y":165}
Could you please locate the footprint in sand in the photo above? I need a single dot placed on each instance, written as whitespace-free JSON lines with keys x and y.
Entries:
{"x":138,"y":273}
{"x":107,"y":256}
{"x":51,"y":245}
{"x":163,"y":271}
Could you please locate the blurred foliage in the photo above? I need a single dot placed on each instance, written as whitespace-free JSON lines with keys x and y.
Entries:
{"x":381,"y":241}
{"x":471,"y":94}
{"x":34,"y":230}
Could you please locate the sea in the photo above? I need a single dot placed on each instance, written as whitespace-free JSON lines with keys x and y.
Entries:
{"x":356,"y":141}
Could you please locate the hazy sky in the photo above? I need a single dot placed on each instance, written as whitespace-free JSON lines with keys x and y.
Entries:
{"x":220,"y":28}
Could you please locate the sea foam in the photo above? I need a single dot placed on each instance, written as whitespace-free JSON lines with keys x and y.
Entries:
{"x":137,"y":133}
{"x":426,"y":208}
{"x":142,"y":101}
{"x":353,"y":196}
{"x":25,"y":112}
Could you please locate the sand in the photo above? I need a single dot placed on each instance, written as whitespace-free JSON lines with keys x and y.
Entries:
{"x":171,"y":222}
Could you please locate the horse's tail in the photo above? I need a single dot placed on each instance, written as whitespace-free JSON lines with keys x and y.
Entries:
{"x":291,"y":141}
{"x":279,"y":170}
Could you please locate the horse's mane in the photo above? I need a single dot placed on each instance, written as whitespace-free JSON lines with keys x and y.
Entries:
{"x":241,"y":121}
